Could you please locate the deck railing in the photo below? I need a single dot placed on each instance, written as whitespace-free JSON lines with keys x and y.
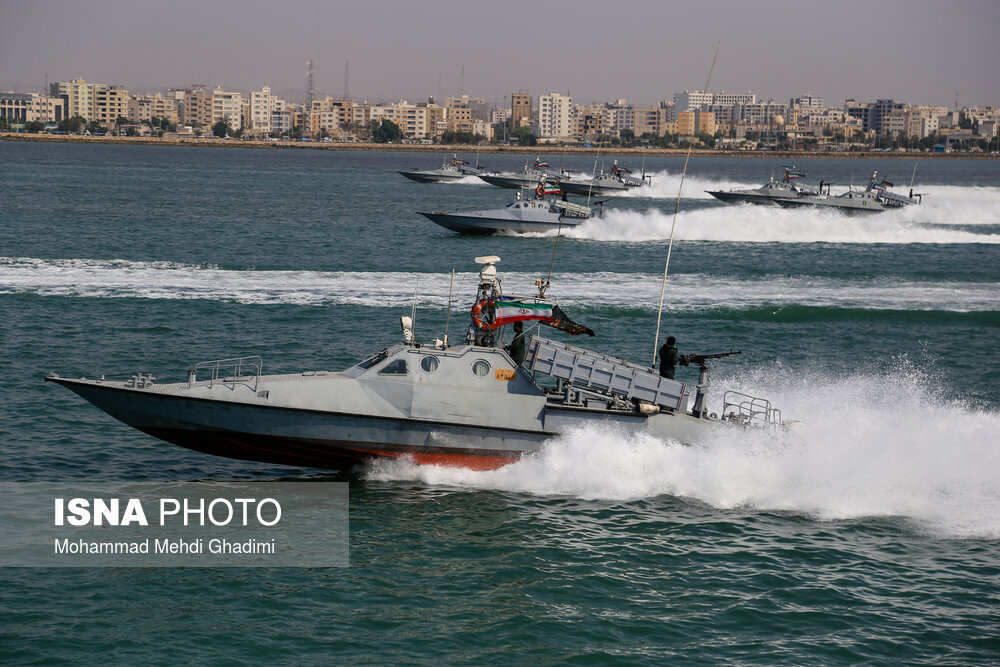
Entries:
{"x":244,"y":371}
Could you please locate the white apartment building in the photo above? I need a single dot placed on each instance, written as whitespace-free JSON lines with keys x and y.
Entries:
{"x":229,"y":106}
{"x":691,"y":99}
{"x":554,"y":116}
{"x":262,"y":105}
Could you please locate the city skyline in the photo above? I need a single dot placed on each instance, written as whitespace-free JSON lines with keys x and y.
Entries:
{"x":915,"y":51}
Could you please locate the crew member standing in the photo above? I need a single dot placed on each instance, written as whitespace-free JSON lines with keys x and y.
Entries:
{"x":519,"y":346}
{"x":668,"y":358}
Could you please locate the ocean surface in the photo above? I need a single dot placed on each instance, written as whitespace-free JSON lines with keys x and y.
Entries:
{"x":872,"y":539}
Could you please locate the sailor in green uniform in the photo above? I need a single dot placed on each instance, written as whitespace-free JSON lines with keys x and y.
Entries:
{"x":668,"y":358}
{"x":519,"y":346}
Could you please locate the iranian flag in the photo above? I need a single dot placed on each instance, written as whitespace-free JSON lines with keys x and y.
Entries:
{"x":509,"y":311}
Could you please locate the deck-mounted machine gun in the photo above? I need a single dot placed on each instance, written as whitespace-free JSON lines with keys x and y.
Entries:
{"x":699,"y":360}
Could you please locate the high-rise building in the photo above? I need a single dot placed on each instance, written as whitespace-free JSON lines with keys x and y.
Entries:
{"x":262,"y":105}
{"x":554,"y":116}
{"x":227,"y":106}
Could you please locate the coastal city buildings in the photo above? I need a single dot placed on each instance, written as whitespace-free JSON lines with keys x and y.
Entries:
{"x":732,"y":120}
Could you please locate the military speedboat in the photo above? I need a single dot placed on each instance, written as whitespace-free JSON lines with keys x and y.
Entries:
{"x":873,"y":199}
{"x":541,"y":212}
{"x":789,"y":193}
{"x":771,"y":193}
{"x":470,"y":404}
{"x":449,"y":171}
{"x":605,"y":184}
{"x":527,"y":178}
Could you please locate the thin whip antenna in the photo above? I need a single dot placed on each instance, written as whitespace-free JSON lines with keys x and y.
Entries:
{"x":914,"y":175}
{"x":447,"y":319}
{"x":673,"y":225}
{"x":413,"y":310}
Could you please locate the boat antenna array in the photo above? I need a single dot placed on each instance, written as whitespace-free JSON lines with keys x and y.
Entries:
{"x":673,"y":225}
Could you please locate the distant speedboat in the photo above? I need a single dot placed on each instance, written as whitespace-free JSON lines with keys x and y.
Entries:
{"x":605,"y":185}
{"x":449,"y":171}
{"x":528,"y":178}
{"x":790,"y":194}
{"x":540,"y":214}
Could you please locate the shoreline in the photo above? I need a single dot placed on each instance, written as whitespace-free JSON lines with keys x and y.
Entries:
{"x":498,"y":150}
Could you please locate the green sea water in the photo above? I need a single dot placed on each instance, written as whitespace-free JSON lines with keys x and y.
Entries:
{"x":873,"y":539}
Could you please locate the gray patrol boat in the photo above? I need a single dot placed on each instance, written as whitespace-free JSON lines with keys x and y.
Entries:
{"x":789,"y":193}
{"x":468,"y":405}
{"x":618,"y":182}
{"x":449,"y":171}
{"x":527,"y":178}
{"x":540,"y":213}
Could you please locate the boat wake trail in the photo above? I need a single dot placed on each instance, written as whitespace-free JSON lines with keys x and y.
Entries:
{"x":110,"y":279}
{"x":945,"y":223}
{"x":873,"y":446}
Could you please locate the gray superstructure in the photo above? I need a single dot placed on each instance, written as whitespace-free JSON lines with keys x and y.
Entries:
{"x":467,"y":404}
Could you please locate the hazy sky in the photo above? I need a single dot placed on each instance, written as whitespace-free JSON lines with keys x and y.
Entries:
{"x":917,"y":51}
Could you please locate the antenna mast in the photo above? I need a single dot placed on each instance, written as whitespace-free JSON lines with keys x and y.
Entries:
{"x":309,"y":95}
{"x":347,"y":79}
{"x":673,"y":225}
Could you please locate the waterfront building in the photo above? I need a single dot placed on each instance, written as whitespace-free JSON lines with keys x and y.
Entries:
{"x":554,"y":116}
{"x":146,"y":107}
{"x":922,"y":122}
{"x":590,"y":121}
{"x":81,"y":97}
{"x":110,"y":104}
{"x":695,"y":122}
{"x":31,"y":107}
{"x":655,"y":120}
{"x":520,"y":108}
{"x":690,"y":100}
{"x":477,"y":105}
{"x":879,"y":112}
{"x":620,"y":116}
{"x":195,"y":109}
{"x":806,"y":101}
{"x":228,"y":106}
{"x":261,"y":105}
{"x":459,"y":118}
{"x":760,"y":113}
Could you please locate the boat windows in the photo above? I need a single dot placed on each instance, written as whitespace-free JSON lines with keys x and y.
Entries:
{"x":429,"y":364}
{"x":481,"y":368}
{"x":373,"y":359}
{"x":397,"y":367}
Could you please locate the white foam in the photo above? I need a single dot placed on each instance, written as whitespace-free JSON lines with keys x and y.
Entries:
{"x":686,"y":292}
{"x":873,"y":446}
{"x":747,"y":223}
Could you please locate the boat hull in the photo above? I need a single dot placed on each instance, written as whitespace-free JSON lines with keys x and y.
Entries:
{"x":313,"y":438}
{"x":520,"y":182}
{"x":433,"y":176}
{"x":484,"y":225}
{"x":744,"y":198}
{"x":596,"y":189}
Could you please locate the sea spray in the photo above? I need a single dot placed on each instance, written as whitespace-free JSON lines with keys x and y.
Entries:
{"x":873,"y":445}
